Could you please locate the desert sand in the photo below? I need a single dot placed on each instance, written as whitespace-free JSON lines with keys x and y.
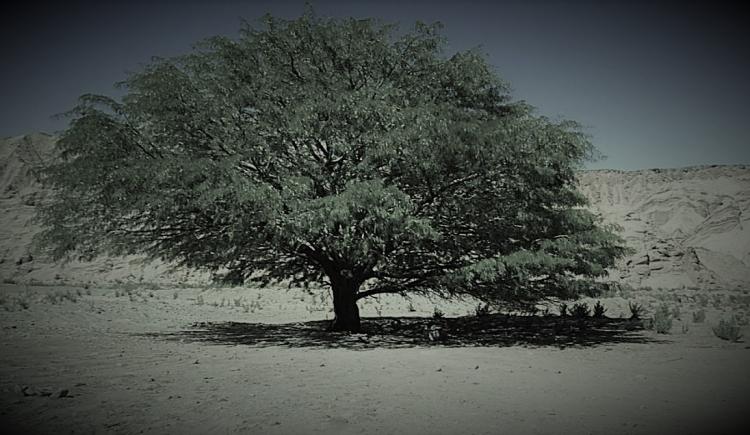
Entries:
{"x":149,"y":362}
{"x":131,"y":346}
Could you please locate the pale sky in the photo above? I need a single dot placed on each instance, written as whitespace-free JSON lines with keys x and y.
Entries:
{"x":657,"y":84}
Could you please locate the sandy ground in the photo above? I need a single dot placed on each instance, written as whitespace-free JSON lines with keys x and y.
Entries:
{"x":137,"y":363}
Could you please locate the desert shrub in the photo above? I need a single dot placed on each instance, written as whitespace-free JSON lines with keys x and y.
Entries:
{"x":599,"y":310}
{"x":60,"y":296}
{"x":676,"y":313}
{"x":648,"y":323}
{"x":741,"y":319}
{"x":636,"y":310}
{"x":728,"y":330}
{"x":685,"y":327}
{"x":482,"y":310}
{"x":22,"y":302}
{"x":15,"y":303}
{"x":529,"y":309}
{"x":699,"y":316}
{"x":662,"y":319}
{"x":702,"y":300}
{"x":437,"y":314}
{"x":580,"y":310}
{"x":563,"y":310}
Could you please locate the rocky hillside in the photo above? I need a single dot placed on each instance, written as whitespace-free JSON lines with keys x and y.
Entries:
{"x":19,"y":192}
{"x":690,"y":227}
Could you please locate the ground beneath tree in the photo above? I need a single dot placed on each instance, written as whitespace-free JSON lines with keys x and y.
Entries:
{"x":156,"y":361}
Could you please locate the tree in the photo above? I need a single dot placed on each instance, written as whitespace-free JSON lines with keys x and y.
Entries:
{"x":342,"y":152}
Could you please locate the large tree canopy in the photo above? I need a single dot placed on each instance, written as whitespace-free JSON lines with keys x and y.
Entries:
{"x":343,"y":152}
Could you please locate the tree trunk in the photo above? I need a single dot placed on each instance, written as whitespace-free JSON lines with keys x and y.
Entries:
{"x":345,"y":305}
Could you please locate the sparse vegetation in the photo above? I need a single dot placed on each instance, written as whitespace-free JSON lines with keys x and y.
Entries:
{"x":676,"y":312}
{"x":662,"y":319}
{"x":482,"y":310}
{"x":580,"y":310}
{"x":16,"y":302}
{"x":59,"y":296}
{"x":702,"y":300}
{"x":741,"y":318}
{"x":599,"y":310}
{"x":699,"y":316}
{"x":637,"y":310}
{"x":728,"y":330}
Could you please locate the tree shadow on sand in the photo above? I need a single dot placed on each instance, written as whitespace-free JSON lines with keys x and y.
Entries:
{"x":493,"y":330}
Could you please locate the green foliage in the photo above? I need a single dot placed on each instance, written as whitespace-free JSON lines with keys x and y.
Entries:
{"x":599,"y":310}
{"x":333,"y":151}
{"x":636,"y":310}
{"x":580,"y":310}
{"x":728,"y":330}
{"x":662,"y":319}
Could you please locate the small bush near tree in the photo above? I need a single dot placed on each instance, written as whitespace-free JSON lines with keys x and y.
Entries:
{"x":599,"y":310}
{"x":699,"y":316}
{"x":437,"y":313}
{"x":663,"y":319}
{"x":728,"y":330}
{"x":580,"y":310}
{"x":636,"y":310}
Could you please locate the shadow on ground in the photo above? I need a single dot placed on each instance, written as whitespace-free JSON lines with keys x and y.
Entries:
{"x":494,"y":330}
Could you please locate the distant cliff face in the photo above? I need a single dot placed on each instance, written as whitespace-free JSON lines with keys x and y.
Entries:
{"x":690,"y":227}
